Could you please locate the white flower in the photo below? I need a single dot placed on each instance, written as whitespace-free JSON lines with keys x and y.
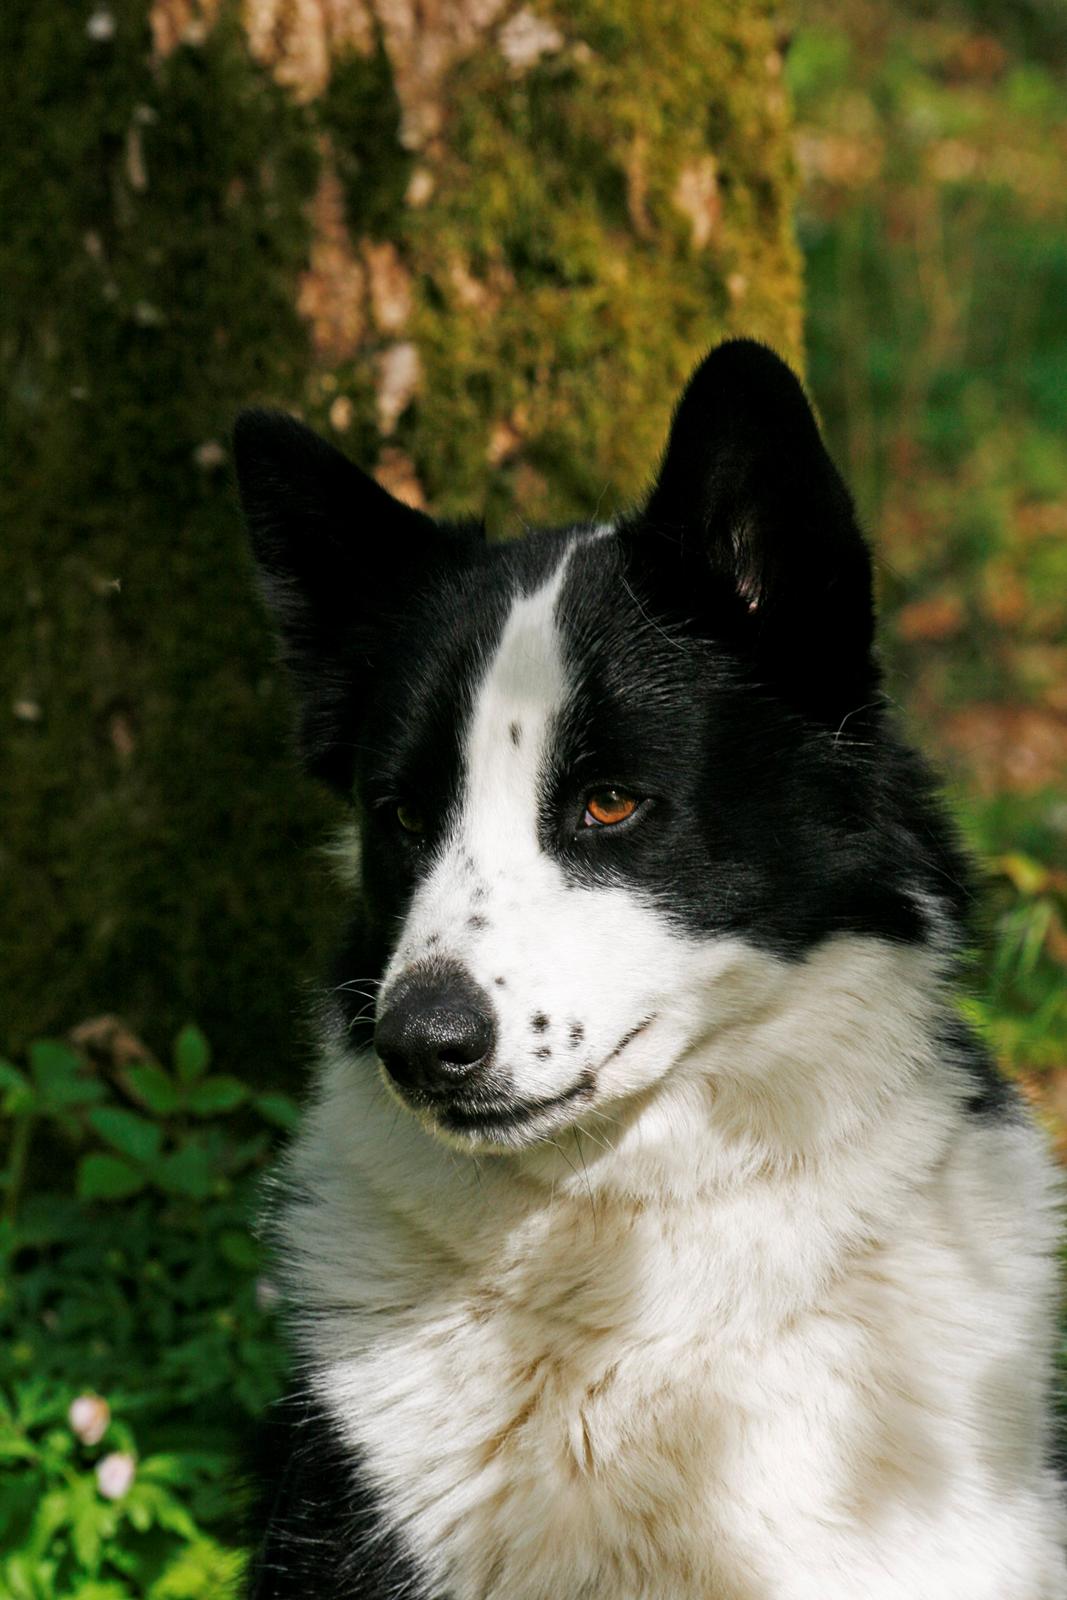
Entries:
{"x":89,"y":1416}
{"x":115,"y":1474}
{"x":101,"y":25}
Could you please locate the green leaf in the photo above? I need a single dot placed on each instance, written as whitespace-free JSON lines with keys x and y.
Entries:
{"x":1028,"y":876}
{"x":188,"y":1171}
{"x":240,"y":1250}
{"x":156,"y":1088}
{"x":26,"y":1579}
{"x":13,"y":1447}
{"x":86,"y":1521}
{"x":102,"y":1177}
{"x":56,"y":1070}
{"x":99,"y":1589}
{"x":52,"y":1512}
{"x":52,"y":1059}
{"x":192,"y":1054}
{"x":201,"y":1568}
{"x":182,"y":1466}
{"x":279,"y":1109}
{"x":212,"y":1095}
{"x":15,"y":1092}
{"x":46,"y":1219}
{"x":137,"y":1505}
{"x":247,"y":1152}
{"x":125,"y":1131}
{"x":173,"y":1516}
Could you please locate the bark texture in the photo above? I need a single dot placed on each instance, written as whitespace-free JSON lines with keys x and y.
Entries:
{"x":479,"y":243}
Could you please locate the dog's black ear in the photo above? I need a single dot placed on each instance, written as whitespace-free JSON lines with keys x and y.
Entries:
{"x":748,"y":490}
{"x":335,"y":552}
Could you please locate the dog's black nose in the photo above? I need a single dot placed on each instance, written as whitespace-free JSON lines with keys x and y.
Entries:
{"x":436,"y":1031}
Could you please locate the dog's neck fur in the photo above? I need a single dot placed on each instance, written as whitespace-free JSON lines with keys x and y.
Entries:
{"x":821,"y":1110}
{"x":744,"y":1291}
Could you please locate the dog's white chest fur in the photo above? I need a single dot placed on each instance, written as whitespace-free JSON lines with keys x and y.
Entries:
{"x":814,"y":1380}
{"x":698,"y":1260}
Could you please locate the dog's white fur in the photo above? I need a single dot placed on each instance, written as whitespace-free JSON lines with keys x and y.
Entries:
{"x":598,"y":958}
{"x":770,"y":1321}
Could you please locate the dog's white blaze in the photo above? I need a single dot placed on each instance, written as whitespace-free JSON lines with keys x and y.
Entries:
{"x":592,"y":964}
{"x":521,"y":694}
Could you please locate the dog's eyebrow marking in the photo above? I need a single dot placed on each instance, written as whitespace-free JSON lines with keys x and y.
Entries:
{"x":515,"y":734}
{"x":539,"y":1022}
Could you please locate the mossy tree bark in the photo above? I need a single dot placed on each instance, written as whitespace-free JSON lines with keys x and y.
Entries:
{"x":480,"y":243}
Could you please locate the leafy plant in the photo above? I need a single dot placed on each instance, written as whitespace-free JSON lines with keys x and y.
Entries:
{"x":936,"y":267}
{"x":1022,"y":1000}
{"x":136,"y":1341}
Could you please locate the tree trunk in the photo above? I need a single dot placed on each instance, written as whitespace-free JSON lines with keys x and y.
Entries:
{"x":479,"y":244}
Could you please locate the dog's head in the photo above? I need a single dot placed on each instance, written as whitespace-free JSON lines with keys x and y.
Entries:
{"x":592,"y":769}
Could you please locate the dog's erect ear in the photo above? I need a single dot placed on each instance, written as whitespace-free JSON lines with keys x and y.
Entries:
{"x":335,"y":550}
{"x":748,"y":490}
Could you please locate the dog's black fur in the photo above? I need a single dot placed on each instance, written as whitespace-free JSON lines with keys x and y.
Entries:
{"x":823,"y":823}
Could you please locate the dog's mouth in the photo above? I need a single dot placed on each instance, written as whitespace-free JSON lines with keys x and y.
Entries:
{"x":514,"y":1122}
{"x":489,"y":1119}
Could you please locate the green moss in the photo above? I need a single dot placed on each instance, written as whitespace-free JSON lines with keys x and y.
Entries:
{"x":361,"y":114}
{"x":597,"y":302}
{"x":156,"y":847}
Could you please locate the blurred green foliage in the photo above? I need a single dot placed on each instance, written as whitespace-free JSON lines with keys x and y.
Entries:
{"x":932,"y":142}
{"x":132,"y":1293}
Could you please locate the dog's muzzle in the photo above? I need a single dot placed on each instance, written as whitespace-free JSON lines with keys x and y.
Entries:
{"x":436,"y":1033}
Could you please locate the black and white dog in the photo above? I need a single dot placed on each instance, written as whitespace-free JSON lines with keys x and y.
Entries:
{"x":657,"y":1231}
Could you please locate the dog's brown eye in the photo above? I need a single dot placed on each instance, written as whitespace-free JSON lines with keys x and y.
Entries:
{"x":605,"y":807}
{"x":411,"y":819}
